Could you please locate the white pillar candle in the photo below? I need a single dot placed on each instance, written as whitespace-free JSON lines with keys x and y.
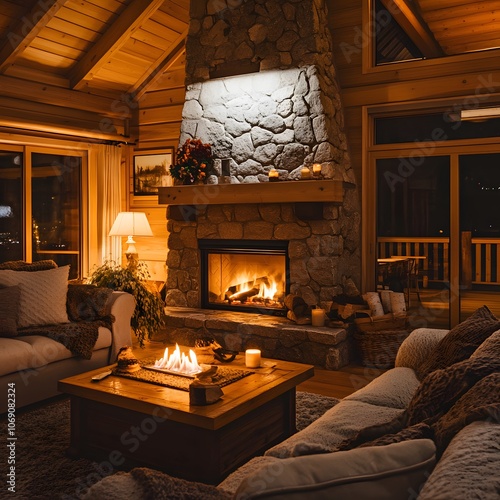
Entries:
{"x":252,"y":358}
{"x":273,"y":175}
{"x":305,"y":173}
{"x":317,"y":169}
{"x":318,"y":317}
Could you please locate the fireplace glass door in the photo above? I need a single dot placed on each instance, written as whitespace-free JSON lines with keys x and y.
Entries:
{"x":248,"y":275}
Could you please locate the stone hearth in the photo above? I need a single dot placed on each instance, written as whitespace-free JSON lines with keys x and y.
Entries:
{"x":276,"y":337}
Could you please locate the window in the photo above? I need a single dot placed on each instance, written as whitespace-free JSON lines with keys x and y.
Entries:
{"x":41,"y":207}
{"x":11,"y":205}
{"x":392,"y":44}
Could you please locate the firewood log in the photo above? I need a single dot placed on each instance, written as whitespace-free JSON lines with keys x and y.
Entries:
{"x":243,"y":296}
{"x":297,"y":305}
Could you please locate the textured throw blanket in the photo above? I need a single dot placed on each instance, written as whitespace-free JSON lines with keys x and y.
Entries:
{"x":446,"y":401}
{"x":87,"y":311}
{"x":159,"y":486}
{"x":79,"y":338}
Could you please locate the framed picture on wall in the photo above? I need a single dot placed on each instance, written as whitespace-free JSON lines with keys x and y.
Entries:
{"x":150,"y":171}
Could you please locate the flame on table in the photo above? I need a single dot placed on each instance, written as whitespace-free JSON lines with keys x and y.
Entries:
{"x":179,"y":362}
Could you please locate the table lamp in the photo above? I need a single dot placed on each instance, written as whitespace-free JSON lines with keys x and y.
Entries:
{"x":131,"y":224}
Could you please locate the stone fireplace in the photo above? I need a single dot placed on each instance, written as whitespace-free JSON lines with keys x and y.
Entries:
{"x":244,"y":275}
{"x":262,"y":90}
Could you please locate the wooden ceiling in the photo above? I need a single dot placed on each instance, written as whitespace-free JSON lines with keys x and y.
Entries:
{"x":448,"y":27}
{"x":105,"y":47}
{"x":83,"y":55}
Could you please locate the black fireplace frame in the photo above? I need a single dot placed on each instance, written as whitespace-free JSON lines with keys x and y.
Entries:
{"x":259,"y":247}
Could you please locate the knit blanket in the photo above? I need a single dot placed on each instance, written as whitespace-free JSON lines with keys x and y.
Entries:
{"x":446,"y":401}
{"x":80,"y":338}
{"x":159,"y":486}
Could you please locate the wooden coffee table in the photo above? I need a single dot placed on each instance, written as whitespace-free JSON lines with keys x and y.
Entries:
{"x":126,"y":423}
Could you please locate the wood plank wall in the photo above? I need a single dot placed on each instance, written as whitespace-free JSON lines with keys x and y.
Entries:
{"x":456,"y":77}
{"x":158,"y":127}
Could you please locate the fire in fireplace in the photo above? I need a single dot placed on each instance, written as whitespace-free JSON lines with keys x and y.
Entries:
{"x":244,"y":275}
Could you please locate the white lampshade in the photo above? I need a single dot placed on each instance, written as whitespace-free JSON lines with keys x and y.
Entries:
{"x":131,"y":224}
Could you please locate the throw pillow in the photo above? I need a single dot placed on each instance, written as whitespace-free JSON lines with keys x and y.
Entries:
{"x":382,"y":472}
{"x":480,"y":402}
{"x":43,"y":295}
{"x":489,"y":348}
{"x":441,"y":389}
{"x":87,"y":302}
{"x":461,"y":341}
{"x":9,"y":308}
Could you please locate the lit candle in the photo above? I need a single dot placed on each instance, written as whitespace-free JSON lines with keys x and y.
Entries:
{"x":318,"y":317}
{"x":273,"y":175}
{"x":252,"y":358}
{"x":305,"y":173}
{"x":317,"y":169}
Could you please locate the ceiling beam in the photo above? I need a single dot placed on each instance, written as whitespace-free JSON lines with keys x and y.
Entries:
{"x":112,"y":40}
{"x":26,"y":29}
{"x":57,"y":96}
{"x":414,"y":26}
{"x":161,"y":65}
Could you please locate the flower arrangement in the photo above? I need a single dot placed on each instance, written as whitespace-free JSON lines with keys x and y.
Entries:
{"x":193,"y":162}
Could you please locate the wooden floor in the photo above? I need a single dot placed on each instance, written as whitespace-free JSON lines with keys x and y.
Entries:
{"x":338,"y":384}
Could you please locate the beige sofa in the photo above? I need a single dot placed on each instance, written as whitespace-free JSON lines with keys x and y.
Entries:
{"x":31,"y":359}
{"x":307,"y":465}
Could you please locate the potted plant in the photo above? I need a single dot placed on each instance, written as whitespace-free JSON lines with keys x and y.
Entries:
{"x":148,"y":316}
{"x":193,"y":162}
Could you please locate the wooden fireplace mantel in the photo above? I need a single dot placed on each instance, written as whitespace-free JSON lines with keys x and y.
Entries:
{"x":263,"y":192}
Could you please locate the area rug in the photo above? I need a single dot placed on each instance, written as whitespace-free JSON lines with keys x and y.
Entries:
{"x":43,"y":471}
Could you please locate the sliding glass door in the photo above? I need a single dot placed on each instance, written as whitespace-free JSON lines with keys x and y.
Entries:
{"x":479,"y":232}
{"x":413,"y":234}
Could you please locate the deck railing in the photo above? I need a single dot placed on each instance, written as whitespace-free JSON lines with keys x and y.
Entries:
{"x":435,"y":250}
{"x":480,"y":257}
{"x":485,"y":261}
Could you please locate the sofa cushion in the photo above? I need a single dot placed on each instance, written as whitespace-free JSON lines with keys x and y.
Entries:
{"x":43,"y":295}
{"x":385,"y":472}
{"x":34,"y":351}
{"x":15,"y":355}
{"x":394,"y":388}
{"x":9,"y":310}
{"x":469,"y":466}
{"x":461,"y":341}
{"x":341,"y":422}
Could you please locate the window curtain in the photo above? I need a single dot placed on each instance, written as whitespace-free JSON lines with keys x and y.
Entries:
{"x":109,"y":200}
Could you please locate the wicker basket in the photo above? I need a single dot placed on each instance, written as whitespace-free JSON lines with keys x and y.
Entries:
{"x":379,"y":348}
{"x":378,"y":323}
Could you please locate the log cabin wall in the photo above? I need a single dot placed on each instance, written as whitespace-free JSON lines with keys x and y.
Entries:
{"x":157,"y":125}
{"x":452,"y":82}
{"x":456,"y":77}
